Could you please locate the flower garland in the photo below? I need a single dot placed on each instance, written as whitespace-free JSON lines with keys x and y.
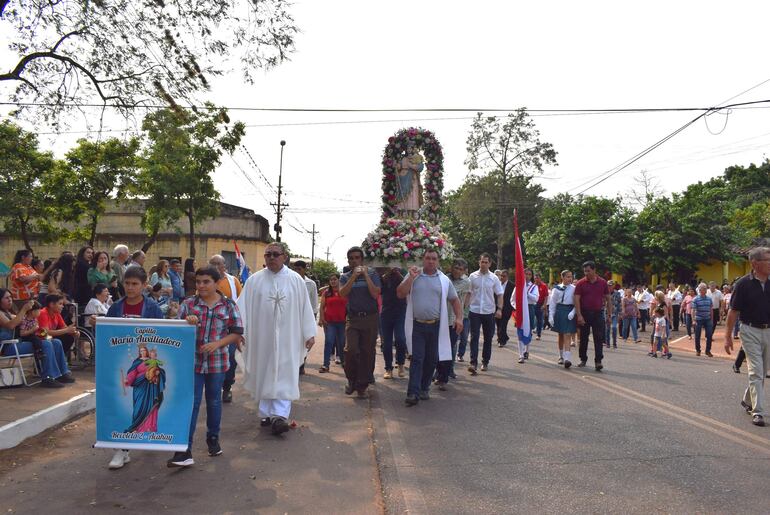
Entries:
{"x":433,"y":177}
{"x":405,"y":241}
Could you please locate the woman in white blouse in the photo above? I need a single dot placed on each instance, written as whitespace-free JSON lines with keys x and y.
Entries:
{"x":532,"y":297}
{"x":561,"y":309}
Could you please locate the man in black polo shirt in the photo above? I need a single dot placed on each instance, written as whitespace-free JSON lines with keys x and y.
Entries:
{"x":361,"y":285}
{"x":750,"y":303}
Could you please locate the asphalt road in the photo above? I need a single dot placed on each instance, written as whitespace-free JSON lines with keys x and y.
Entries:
{"x":644,"y":435}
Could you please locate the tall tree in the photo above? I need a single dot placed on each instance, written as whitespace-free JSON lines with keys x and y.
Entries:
{"x":185,"y":147}
{"x":507,"y":150}
{"x":576,"y":229}
{"x":470,"y":211}
{"x":26,"y":210}
{"x":689,"y":228}
{"x":125,"y":54}
{"x":94,"y":172}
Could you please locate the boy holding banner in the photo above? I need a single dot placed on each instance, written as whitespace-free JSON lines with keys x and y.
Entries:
{"x":218,"y":324}
{"x":135,"y":304}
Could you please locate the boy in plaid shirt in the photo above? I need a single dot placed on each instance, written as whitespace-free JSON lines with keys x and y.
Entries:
{"x":218,"y":324}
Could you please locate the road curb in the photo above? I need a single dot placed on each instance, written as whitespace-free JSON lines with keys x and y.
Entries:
{"x":16,"y":432}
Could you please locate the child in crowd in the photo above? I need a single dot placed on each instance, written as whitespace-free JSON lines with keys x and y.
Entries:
{"x":30,"y":331}
{"x":661,"y":335}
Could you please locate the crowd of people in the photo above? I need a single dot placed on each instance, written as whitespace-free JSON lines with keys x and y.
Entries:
{"x":421,"y":315}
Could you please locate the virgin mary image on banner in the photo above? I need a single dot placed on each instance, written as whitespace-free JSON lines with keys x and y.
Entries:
{"x":148,"y":380}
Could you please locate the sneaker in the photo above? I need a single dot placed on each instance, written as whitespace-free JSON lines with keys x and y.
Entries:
{"x":484,"y":367}
{"x":214,"y":447}
{"x":526,"y":355}
{"x":387,"y":375}
{"x":472,"y":370}
{"x":324,"y":369}
{"x":599,"y":366}
{"x":280,"y":426}
{"x":120,"y":458}
{"x":745,"y":405}
{"x":227,"y":396}
{"x":424,"y":395}
{"x":757,"y":420}
{"x":401,"y":372}
{"x":537,"y":338}
{"x":460,"y":359}
{"x":668,"y":355}
{"x":264,"y":422}
{"x":66,"y":378}
{"x":581,"y":364}
{"x":521,"y":360}
{"x":560,"y":362}
{"x":49,"y":382}
{"x":567,"y":363}
{"x":181,"y":459}
{"x":337,"y":361}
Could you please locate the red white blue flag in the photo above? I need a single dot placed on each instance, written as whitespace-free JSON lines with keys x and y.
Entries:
{"x":243,"y":268}
{"x":523,"y":322}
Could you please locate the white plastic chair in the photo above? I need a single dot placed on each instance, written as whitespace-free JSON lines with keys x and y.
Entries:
{"x":15,"y":360}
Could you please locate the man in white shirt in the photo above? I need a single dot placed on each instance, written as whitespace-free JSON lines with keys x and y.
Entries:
{"x":643,"y":299}
{"x":675,"y":296}
{"x":716,"y":297}
{"x":486,"y":304}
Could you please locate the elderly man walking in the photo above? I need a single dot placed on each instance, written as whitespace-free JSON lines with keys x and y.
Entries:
{"x":279,"y":330}
{"x":427,"y":323}
{"x":750,"y":303}
{"x":701,"y":310}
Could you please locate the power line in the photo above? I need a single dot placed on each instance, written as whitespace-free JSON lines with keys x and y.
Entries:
{"x":257,"y":168}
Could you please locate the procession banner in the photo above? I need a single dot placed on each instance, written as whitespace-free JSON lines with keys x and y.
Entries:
{"x":144,"y":383}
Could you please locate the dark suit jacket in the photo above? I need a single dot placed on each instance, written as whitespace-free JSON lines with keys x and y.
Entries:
{"x":507,"y":308}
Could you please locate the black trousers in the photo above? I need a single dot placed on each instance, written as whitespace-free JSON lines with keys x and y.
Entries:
{"x":595,"y":323}
{"x":644,"y":317}
{"x":676,"y":308}
{"x":502,"y":329}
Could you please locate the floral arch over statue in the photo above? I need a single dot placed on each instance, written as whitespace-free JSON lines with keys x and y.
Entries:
{"x":402,"y":155}
{"x":409,"y":224}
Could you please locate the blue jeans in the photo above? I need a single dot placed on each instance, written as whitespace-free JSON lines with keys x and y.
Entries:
{"x":688,"y":323}
{"x":392,"y":328}
{"x":700,"y":325}
{"x":462,"y":339}
{"x":213,"y":383}
{"x":630,"y":322}
{"x":424,"y":357}
{"x":485,"y":323}
{"x":230,"y":374}
{"x":612,"y":328}
{"x":539,"y":318}
{"x":54,"y":362}
{"x":334,"y":338}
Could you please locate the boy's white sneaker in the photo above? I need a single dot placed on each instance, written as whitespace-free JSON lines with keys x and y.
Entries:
{"x":119,"y":459}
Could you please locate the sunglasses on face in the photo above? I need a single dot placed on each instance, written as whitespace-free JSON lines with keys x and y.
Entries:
{"x":273,"y":254}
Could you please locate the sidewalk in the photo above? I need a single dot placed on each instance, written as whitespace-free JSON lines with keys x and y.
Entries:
{"x":26,"y":411}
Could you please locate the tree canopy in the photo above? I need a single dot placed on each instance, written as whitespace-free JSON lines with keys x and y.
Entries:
{"x":125,"y":54}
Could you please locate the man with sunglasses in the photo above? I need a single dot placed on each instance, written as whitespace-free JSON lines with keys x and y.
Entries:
{"x":279,"y":328}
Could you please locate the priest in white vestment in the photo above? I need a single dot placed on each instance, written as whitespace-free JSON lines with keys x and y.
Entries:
{"x":279,"y":329}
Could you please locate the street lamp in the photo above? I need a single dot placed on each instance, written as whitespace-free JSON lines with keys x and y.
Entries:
{"x":278,"y":207}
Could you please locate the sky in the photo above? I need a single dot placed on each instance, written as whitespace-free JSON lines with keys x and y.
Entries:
{"x":489,"y":55}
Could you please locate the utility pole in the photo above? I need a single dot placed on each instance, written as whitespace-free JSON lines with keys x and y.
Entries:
{"x":279,"y":207}
{"x":312,"y":248}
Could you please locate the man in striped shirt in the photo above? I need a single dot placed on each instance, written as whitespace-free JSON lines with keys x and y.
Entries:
{"x":701,"y":310}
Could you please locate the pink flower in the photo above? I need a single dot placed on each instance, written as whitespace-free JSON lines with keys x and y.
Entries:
{"x":407,"y":255}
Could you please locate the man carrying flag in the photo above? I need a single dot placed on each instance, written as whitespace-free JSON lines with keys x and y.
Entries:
{"x":525,"y":296}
